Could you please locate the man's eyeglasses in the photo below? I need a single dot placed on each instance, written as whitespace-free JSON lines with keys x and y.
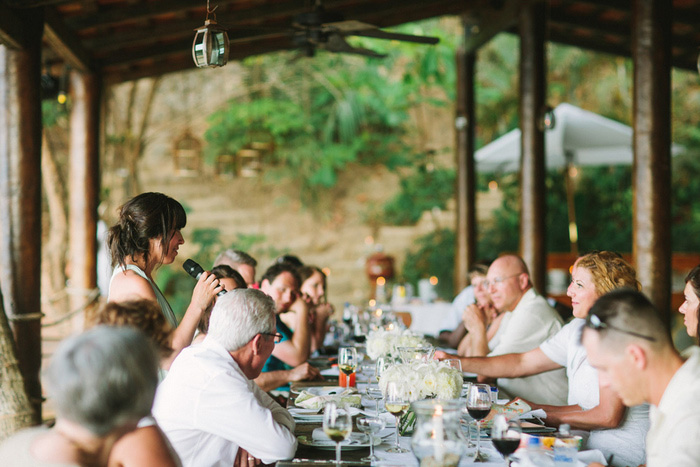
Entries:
{"x":278,"y":337}
{"x":498,"y":280}
{"x":594,"y":322}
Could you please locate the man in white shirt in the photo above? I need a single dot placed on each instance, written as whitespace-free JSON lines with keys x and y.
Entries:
{"x":630,"y":345}
{"x":209,"y":406}
{"x":529,"y":322}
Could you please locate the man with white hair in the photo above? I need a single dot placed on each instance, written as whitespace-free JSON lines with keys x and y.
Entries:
{"x":208,"y":405}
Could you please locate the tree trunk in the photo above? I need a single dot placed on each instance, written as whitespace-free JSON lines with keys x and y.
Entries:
{"x":15,"y":410}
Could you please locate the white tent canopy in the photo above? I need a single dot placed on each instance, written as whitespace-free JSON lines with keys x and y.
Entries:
{"x":585,"y":137}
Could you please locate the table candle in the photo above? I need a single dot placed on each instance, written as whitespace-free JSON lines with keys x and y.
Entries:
{"x":439,"y":435}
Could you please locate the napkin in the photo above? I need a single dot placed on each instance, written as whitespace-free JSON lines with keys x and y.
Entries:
{"x":309,"y":401}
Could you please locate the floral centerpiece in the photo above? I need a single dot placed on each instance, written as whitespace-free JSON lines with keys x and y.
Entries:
{"x":383,"y":342}
{"x":423,"y":380}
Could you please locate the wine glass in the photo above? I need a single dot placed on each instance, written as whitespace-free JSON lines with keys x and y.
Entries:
{"x":479,"y":406}
{"x":382,"y":364}
{"x":454,"y":363}
{"x":505,"y":435}
{"x":397,"y":404}
{"x":337,"y":425}
{"x":371,"y":426}
{"x":374,"y":393}
{"x":347,"y":362}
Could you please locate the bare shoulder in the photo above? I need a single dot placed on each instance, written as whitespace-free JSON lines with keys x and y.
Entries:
{"x":144,"y":446}
{"x":128,"y":285}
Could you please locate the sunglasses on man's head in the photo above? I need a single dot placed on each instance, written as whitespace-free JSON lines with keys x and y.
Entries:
{"x":594,"y":322}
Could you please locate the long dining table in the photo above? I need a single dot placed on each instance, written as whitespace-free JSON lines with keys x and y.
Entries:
{"x":313,"y":456}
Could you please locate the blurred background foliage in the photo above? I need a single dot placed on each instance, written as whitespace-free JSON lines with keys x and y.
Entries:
{"x":334,"y":110}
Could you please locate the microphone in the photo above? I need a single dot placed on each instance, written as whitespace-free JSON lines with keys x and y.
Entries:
{"x":195,"y":270}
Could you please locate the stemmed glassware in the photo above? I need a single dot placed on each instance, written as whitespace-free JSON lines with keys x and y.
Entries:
{"x":337,"y":425}
{"x":454,"y":363}
{"x":371,"y":426}
{"x":479,"y":406}
{"x":374,"y":393}
{"x":505,"y":435}
{"x":347,"y":362}
{"x":397,"y":405}
{"x":382,"y":364}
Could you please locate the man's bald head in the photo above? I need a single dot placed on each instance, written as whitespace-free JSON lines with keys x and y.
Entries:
{"x":508,"y":279}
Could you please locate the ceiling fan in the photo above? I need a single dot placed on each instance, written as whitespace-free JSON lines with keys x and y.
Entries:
{"x":321,"y":29}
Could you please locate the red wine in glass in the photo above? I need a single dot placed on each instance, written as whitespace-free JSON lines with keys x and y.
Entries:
{"x":506,"y":446}
{"x":478,"y":413}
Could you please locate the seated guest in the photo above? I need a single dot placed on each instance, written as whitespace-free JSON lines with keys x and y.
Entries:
{"x":239,"y":261}
{"x":147,"y":445}
{"x":208,"y":405}
{"x":591,"y":406}
{"x":530,"y":321}
{"x":691,"y":305}
{"x":312,"y":295}
{"x":141,"y":314}
{"x":629,"y":343}
{"x":288,"y":361}
{"x":482,"y":320}
{"x":101,"y":382}
{"x":452,"y":329}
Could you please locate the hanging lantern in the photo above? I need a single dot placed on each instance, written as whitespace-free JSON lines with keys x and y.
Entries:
{"x":210,"y":47}
{"x":187,"y":154}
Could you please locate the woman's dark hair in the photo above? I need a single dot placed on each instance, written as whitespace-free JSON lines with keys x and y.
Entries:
{"x":693,"y":278}
{"x":221,"y":271}
{"x":224,"y":271}
{"x":306,"y":272}
{"x":146,"y":216}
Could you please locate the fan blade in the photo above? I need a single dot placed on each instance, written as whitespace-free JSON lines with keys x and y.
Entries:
{"x":348,"y":26}
{"x":379,"y":34}
{"x":336,"y":43}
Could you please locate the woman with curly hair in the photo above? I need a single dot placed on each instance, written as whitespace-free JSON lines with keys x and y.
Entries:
{"x":592,"y":407}
{"x":691,"y":305}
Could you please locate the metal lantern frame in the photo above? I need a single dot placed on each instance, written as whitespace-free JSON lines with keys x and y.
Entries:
{"x":210,"y":47}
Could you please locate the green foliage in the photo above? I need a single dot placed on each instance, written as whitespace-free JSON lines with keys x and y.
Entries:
{"x":433,"y":256}
{"x":333,"y":110}
{"x":421,"y":191}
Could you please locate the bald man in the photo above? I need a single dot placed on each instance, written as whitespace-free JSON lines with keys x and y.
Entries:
{"x":529,"y":321}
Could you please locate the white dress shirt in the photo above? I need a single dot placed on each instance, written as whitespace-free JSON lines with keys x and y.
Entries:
{"x":532,"y":322}
{"x":626,"y":441}
{"x":674,"y":436}
{"x":208,"y":409}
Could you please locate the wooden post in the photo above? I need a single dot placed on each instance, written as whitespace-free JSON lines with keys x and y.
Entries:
{"x":84,"y":190}
{"x":20,"y":199}
{"x":532,"y":102}
{"x":651,"y":51}
{"x":466,"y":184}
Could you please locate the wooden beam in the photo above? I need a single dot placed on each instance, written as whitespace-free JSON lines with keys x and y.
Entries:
{"x":482,"y":24}
{"x":652,"y":150}
{"x":20,"y":199}
{"x":12,"y":34}
{"x":65,"y":43}
{"x":533,"y":77}
{"x":465,"y":255}
{"x":84,"y":185}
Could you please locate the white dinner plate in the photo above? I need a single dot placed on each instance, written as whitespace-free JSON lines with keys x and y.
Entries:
{"x":356,"y":441}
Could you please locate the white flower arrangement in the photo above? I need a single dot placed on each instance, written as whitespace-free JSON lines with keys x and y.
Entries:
{"x":421,"y":380}
{"x":382,"y":342}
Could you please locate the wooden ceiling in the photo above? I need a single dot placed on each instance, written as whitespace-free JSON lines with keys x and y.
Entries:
{"x":130,"y":39}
